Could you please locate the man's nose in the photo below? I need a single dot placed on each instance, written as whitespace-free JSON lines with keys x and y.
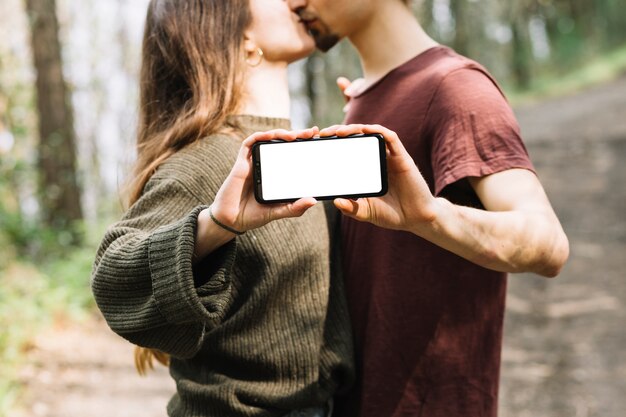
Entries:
{"x":296,"y":5}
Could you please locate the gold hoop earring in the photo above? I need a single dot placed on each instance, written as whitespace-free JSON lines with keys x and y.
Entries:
{"x":260,"y":54}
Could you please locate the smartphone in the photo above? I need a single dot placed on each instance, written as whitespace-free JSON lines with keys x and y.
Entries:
{"x":323,"y":168}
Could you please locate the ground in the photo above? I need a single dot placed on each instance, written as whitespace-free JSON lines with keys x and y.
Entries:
{"x":84,"y":369}
{"x":565,"y":340}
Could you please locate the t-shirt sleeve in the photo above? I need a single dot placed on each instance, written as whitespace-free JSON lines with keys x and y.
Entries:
{"x":474,"y":131}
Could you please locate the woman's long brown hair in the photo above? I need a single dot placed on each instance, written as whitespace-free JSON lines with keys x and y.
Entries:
{"x":192,"y":72}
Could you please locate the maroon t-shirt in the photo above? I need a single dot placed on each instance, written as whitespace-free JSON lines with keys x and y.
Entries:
{"x":427,"y":323}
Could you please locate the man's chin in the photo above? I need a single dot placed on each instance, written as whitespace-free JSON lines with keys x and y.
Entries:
{"x":325,"y":42}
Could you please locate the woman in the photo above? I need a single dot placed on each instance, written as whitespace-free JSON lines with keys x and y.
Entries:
{"x":251,"y":322}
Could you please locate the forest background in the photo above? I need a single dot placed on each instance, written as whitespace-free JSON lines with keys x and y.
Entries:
{"x":68,"y":111}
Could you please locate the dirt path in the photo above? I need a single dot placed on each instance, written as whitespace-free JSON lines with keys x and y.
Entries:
{"x":565,"y":343}
{"x":596,"y":115}
{"x":85,"y":370}
{"x":565,"y":340}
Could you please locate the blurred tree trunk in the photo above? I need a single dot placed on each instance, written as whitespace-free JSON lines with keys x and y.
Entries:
{"x":521,"y":53}
{"x":461,"y":42}
{"x":58,"y":186}
{"x":521,"y":56}
{"x":310,"y":90}
{"x":583,"y":12}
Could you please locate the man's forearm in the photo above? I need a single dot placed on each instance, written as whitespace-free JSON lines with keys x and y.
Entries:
{"x":508,"y":241}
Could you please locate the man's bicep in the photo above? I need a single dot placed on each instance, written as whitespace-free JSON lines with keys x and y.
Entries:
{"x":511,"y":190}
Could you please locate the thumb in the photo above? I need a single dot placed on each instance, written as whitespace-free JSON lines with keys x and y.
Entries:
{"x":295,"y":209}
{"x":356,"y":209}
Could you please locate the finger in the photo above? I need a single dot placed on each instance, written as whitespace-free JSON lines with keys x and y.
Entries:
{"x":356,"y":209}
{"x":345,"y":130}
{"x":344,"y":84}
{"x":329,"y":131}
{"x":299,"y":207}
{"x":392,"y":140}
{"x":245,"y":152}
{"x":341,"y":130}
{"x":308,"y":133}
{"x":259,"y":137}
{"x":355,"y":88}
{"x":250,"y":140}
{"x":353,"y":129}
{"x":281,"y":134}
{"x":295,"y":209}
{"x":290,"y":135}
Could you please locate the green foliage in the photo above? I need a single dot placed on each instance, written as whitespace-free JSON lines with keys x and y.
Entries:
{"x":19,"y":234}
{"x":32,"y":297}
{"x":596,"y":71}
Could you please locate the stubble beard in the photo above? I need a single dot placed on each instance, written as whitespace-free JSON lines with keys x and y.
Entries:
{"x":324,"y":41}
{"x":324,"y":37}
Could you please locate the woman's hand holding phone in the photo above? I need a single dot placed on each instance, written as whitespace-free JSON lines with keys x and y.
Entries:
{"x":235,"y":205}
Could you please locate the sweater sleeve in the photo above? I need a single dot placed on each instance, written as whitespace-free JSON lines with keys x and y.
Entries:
{"x":143,"y":279}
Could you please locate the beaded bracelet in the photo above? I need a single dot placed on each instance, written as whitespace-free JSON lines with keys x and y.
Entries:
{"x":223,"y":226}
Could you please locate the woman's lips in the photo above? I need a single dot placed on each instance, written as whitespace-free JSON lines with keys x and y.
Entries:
{"x":310,"y":24}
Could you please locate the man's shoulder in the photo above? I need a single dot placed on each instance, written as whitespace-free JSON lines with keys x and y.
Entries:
{"x":412,"y":88}
{"x":440,"y":62}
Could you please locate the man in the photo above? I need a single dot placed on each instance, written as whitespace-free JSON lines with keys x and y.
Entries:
{"x":427,"y":288}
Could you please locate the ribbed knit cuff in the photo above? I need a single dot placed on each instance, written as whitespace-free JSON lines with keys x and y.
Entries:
{"x":170,"y":252}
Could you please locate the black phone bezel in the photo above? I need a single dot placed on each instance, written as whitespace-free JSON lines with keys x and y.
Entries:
{"x":258,"y":181}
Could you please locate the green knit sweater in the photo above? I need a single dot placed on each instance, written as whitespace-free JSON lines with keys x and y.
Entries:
{"x":260,"y":326}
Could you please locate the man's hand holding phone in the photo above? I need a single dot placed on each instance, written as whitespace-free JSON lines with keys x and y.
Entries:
{"x":408,"y":201}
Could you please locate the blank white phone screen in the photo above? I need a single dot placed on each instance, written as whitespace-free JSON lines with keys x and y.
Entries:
{"x":320,"y":168}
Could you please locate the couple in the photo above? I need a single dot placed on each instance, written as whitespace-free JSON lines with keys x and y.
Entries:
{"x":396,"y":309}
